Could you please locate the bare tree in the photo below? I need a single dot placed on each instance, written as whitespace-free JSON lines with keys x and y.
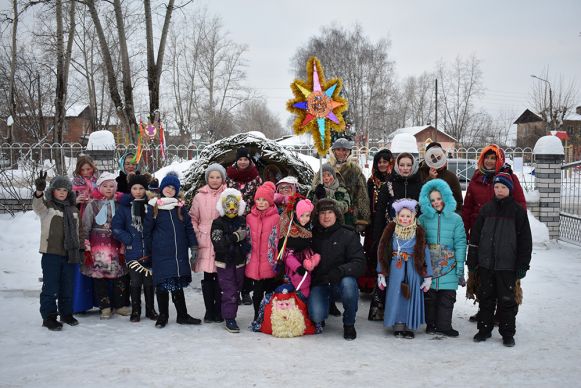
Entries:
{"x":364,"y":66}
{"x":461,"y":84}
{"x":560,"y":93}
{"x":255,"y":116}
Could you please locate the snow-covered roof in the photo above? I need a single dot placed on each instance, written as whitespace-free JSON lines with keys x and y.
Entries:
{"x":410,"y":130}
{"x":573,"y":117}
{"x":75,"y":110}
{"x":296,"y":140}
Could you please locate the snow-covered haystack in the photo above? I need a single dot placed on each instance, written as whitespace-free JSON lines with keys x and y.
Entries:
{"x":264,"y":152}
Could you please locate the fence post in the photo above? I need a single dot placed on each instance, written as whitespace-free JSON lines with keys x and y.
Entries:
{"x":549,"y":154}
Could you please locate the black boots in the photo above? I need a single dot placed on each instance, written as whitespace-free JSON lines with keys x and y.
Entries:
{"x":482,"y":336}
{"x":179,"y":301}
{"x":163,"y":305}
{"x":349,"y":332}
{"x":51,"y":323}
{"x":135,"y":304}
{"x":149,"y":308}
{"x":212,"y":300}
{"x":508,"y":341}
{"x":69,"y":320}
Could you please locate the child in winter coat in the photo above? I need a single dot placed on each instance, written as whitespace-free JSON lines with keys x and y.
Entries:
{"x":203,"y":212}
{"x":230,"y":239}
{"x":299,"y":258}
{"x":500,"y":254}
{"x":168,"y":234}
{"x":59,"y":245}
{"x":404,"y":258}
{"x":263,"y":221}
{"x":332,"y":188}
{"x":84,"y":183}
{"x":446,"y":240}
{"x":128,"y":229}
{"x":104,"y":263}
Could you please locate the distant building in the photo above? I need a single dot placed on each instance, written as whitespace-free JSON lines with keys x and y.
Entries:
{"x":425,"y":135}
{"x":572,"y":125}
{"x":530,"y":128}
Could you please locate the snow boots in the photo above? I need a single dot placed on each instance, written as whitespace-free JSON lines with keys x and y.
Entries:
{"x":179,"y":300}
{"x":349,"y":332}
{"x":149,"y":308}
{"x":51,"y":323}
{"x":508,"y":341}
{"x":69,"y":320}
{"x":232,"y":326}
{"x":135,"y":304}
{"x":212,"y":300}
{"x":482,"y":336}
{"x":163,"y":305}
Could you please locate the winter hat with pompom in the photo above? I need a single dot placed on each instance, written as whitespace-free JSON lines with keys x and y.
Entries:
{"x":215,"y":167}
{"x":171,"y":179}
{"x":266,"y":191}
{"x":138,"y":179}
{"x":505,"y":179}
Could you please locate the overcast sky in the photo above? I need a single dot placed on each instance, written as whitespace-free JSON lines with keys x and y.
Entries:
{"x":513,"y":39}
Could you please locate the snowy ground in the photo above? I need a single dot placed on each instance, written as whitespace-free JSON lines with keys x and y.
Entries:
{"x":118,"y":352}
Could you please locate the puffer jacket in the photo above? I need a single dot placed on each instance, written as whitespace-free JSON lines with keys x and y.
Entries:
{"x":125,"y":232}
{"x":167,"y":239}
{"x":450,"y":178}
{"x":501,"y":236}
{"x":445,"y":236}
{"x":203,"y":212}
{"x":52,"y":232}
{"x":339,"y":247}
{"x":264,"y":234}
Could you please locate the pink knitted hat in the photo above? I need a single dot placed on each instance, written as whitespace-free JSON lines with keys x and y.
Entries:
{"x":266,"y":191}
{"x":304,"y":206}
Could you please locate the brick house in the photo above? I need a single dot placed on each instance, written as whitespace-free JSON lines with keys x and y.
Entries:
{"x":530,"y":127}
{"x":425,"y":135}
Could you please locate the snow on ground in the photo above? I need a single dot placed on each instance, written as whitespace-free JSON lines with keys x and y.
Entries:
{"x":117,"y":352}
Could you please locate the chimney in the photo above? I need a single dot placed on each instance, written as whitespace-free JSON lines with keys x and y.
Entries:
{"x":578,"y":110}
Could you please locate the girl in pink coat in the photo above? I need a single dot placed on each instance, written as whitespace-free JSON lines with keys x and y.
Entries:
{"x":203,"y":212}
{"x":263,"y":221}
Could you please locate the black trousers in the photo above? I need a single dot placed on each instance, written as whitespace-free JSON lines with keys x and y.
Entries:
{"x":497,"y":286}
{"x":260,"y":288}
{"x":439,"y":306}
{"x":119,"y":292}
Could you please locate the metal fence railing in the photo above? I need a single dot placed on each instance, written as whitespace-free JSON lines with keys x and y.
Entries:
{"x":570,"y":212}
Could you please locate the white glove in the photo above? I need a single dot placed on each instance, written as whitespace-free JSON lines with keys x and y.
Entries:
{"x":381,"y":283}
{"x":425,"y":287}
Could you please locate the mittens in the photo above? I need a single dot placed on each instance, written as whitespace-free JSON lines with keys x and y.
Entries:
{"x":381,"y":283}
{"x":427,"y":283}
{"x":311,"y":262}
{"x":320,"y":191}
{"x":40,"y":182}
{"x":521,"y":273}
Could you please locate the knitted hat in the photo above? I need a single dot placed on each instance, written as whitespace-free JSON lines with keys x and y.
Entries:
{"x":154,"y":184}
{"x":289,"y":180}
{"x":138,"y":179}
{"x":328,"y":168}
{"x":266,"y":191}
{"x":405,"y":203}
{"x":171,"y":179}
{"x":505,"y":179}
{"x":433,"y":144}
{"x":230,"y":196}
{"x":242,"y":153}
{"x":215,"y":167}
{"x":106,"y":176}
{"x":342,"y":143}
{"x":61,"y":182}
{"x":304,"y":206}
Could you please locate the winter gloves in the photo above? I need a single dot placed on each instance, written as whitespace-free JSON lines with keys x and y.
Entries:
{"x":521,"y":273}
{"x":427,"y":283}
{"x":40,"y":182}
{"x":240,"y":234}
{"x":320,"y":191}
{"x":472,"y":260}
{"x":381,"y":283}
{"x":311,"y":262}
{"x":194,"y":255}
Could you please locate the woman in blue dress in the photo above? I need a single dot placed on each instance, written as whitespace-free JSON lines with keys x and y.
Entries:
{"x":404,"y":267}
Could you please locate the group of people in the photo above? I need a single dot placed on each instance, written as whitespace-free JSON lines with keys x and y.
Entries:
{"x":249,"y":236}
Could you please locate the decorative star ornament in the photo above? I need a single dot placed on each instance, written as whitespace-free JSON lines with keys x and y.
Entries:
{"x":318,"y":106}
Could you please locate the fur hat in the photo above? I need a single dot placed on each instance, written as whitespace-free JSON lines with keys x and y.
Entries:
{"x":106,"y":176}
{"x":405,"y":203}
{"x":505,"y":179}
{"x":215,"y":167}
{"x":171,"y":179}
{"x":328,"y":204}
{"x":304,"y":206}
{"x":266,"y":191}
{"x":342,"y":143}
{"x":61,"y":182}
{"x":138,"y":179}
{"x":242,"y":153}
{"x":230,"y":195}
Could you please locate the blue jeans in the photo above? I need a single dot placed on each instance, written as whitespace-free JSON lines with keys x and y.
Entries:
{"x":346,"y":291}
{"x":57,"y":283}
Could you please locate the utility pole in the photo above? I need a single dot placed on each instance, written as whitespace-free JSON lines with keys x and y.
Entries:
{"x":436,"y":121}
{"x":551,"y":121}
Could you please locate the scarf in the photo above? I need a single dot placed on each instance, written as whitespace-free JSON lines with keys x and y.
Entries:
{"x":166,"y":203}
{"x":138,"y":213}
{"x":72,"y":245}
{"x":487,"y":175}
{"x":101,"y":217}
{"x":406,"y":232}
{"x":242,"y":176}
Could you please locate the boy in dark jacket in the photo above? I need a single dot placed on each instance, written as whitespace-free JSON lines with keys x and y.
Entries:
{"x":127,"y":226}
{"x":230,"y":239}
{"x":500,"y":250}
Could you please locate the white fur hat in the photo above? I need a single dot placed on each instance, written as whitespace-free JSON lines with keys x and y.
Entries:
{"x":234,"y":193}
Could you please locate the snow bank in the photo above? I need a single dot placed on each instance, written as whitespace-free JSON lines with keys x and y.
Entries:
{"x":549,"y":145}
{"x":179,"y":167}
{"x":404,"y":142}
{"x":101,"y":140}
{"x":532,"y":196}
{"x":539,"y":230}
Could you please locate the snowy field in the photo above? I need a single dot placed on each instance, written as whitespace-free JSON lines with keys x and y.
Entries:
{"x":120,"y":353}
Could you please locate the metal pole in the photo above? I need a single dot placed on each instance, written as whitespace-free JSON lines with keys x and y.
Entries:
{"x":436,"y":126}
